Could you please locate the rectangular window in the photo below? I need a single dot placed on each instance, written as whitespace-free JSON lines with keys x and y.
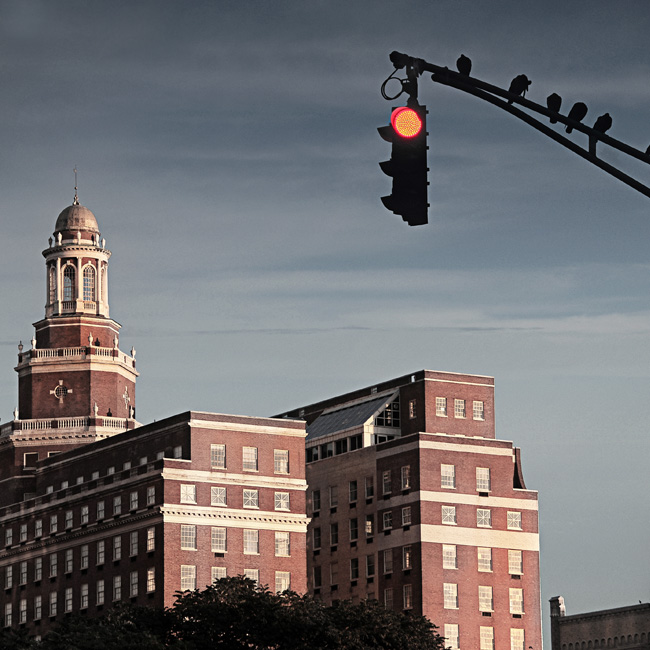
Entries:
{"x":38,"y":608}
{"x":54,"y":523}
{"x":282,"y":544}
{"x":449,"y":558}
{"x":251,"y":542}
{"x":370,"y":487}
{"x":354,"y":568}
{"x":482,"y":479}
{"x":117,"y":505}
{"x":218,"y":456}
{"x":448,"y":514}
{"x":318,"y":577}
{"x":83,"y":557}
{"x":23,"y":531}
{"x":334,"y":573}
{"x":23,"y":573}
{"x":516,"y":601}
{"x":117,"y":548}
{"x":9,"y":576}
{"x":406,"y":516}
{"x":218,"y":496}
{"x":370,"y":525}
{"x":484,"y":559}
{"x":388,"y":598}
{"x":316,"y":537}
{"x":280,"y":461}
{"x":53,"y":603}
{"x":485,"y":599}
{"x":151,"y":580}
{"x":218,"y":540}
{"x":38,"y":569}
{"x":515,"y":563}
{"x":405,"y":477}
{"x":387,"y":518}
{"x":412,"y":411}
{"x":68,"y":561}
{"x":133,"y":584}
{"x":487,"y":638}
{"x":117,"y":587}
{"x":8,"y":615}
{"x":188,"y":577}
{"x":188,"y":537}
{"x":151,"y":539}
{"x":441,"y":406}
{"x":334,"y":534}
{"x":251,"y":499}
{"x":9,"y":537}
{"x":281,"y":500}
{"x":83,"y":600}
{"x":516,"y":639}
{"x":370,"y":566}
{"x":354,"y":529}
{"x":459,"y":408}
{"x":334,"y":496}
{"x":101,"y":510}
{"x":54,"y":565}
{"x":101,"y":551}
{"x":100,"y":592}
{"x":133,"y":501}
{"x":38,"y":528}
{"x":352,"y":491}
{"x":282,"y":581}
{"x":22,"y":611}
{"x":188,"y":493}
{"x":450,"y":591}
{"x":483,"y":518}
{"x":252,"y":574}
{"x":217,"y":573}
{"x":151,"y":495}
{"x":84,"y":515}
{"x":68,"y":519}
{"x":133,"y":543}
{"x":386,"y":482}
{"x":448,"y":476}
{"x":407,"y":558}
{"x":388,"y":561}
{"x":68,"y":599}
{"x":249,"y":459}
{"x":514,"y":520}
{"x":177,"y":452}
{"x":451,"y":636}
{"x":407,"y":596}
{"x":315,"y":500}
{"x":478,"y":411}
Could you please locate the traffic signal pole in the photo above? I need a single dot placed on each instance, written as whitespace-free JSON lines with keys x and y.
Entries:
{"x":506,"y":100}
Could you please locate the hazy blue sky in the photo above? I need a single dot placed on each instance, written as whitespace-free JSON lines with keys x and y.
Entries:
{"x":229,"y":151}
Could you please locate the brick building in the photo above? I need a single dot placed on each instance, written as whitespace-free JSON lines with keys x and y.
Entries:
{"x":95,"y":508}
{"x":414,"y":501}
{"x":619,"y":627}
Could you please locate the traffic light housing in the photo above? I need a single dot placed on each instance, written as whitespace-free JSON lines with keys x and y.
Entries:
{"x":407,"y":132}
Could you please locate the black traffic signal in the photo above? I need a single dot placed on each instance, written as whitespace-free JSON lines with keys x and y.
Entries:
{"x":407,"y":132}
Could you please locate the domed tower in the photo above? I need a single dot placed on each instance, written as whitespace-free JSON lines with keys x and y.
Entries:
{"x":75,"y":385}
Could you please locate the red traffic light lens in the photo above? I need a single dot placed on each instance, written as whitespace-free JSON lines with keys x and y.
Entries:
{"x":406,"y":122}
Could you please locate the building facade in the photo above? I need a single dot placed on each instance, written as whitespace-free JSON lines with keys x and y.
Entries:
{"x":96,"y":509}
{"x":413,"y":501}
{"x":620,"y":627}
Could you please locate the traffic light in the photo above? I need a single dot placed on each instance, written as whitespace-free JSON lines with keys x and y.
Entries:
{"x":407,"y":132}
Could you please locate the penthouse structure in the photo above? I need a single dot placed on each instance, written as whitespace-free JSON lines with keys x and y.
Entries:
{"x":413,"y":501}
{"x":96,"y":509}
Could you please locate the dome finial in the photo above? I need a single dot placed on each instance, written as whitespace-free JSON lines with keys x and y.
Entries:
{"x":75,"y":201}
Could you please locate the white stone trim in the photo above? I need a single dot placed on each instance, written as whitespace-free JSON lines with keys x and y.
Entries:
{"x":452,"y":446}
{"x":228,"y":478}
{"x":463,"y":383}
{"x":106,"y":364}
{"x":247,"y":428}
{"x":452,"y":497}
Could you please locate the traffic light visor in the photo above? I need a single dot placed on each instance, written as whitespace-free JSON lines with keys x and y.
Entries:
{"x":406,"y":122}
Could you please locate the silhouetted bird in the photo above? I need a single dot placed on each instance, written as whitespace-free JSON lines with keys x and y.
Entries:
{"x":519,"y":85}
{"x":464,"y":65}
{"x":577,"y":113}
{"x":554,"y":102}
{"x":603,"y":123}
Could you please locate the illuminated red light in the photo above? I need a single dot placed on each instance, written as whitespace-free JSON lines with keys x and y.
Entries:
{"x":406,"y":122}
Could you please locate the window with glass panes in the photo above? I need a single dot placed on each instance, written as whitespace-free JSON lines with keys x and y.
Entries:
{"x":38,"y":607}
{"x":133,"y":500}
{"x":151,"y":539}
{"x":117,"y":547}
{"x":100,"y":592}
{"x":370,"y":525}
{"x":101,"y":552}
{"x":483,"y":518}
{"x":133,"y":584}
{"x":388,"y":598}
{"x":217,"y":572}
{"x":218,"y":496}
{"x":441,"y":406}
{"x":516,"y":601}
{"x":407,"y":557}
{"x":406,"y":516}
{"x":83,"y":557}
{"x":387,"y":518}
{"x":405,"y":477}
{"x":251,"y":499}
{"x":54,"y":598}
{"x":514,"y":520}
{"x":133,"y":543}
{"x":483,"y":479}
{"x":352,"y":491}
{"x":478,"y":411}
{"x":282,"y":544}
{"x":38,"y":569}
{"x":459,"y":408}
{"x":251,"y":542}
{"x":484,"y":559}
{"x":370,"y":565}
{"x":370,"y":487}
{"x":281,"y":461}
{"x":282,"y":581}
{"x":448,"y":514}
{"x":449,"y":559}
{"x":218,"y":456}
{"x":516,"y":639}
{"x":485,"y":598}
{"x":450,"y":594}
{"x":151,"y":495}
{"x":281,"y":501}
{"x":451,"y":636}
{"x":448,"y":476}
{"x":252,"y":574}
{"x":388,"y":560}
{"x":117,"y":587}
{"x":23,"y":572}
{"x":84,"y":514}
{"x":386,"y":482}
{"x":354,"y":568}
{"x":407,"y":596}
{"x":486,"y":638}
{"x":83,"y":596}
{"x":151,"y":580}
{"x":188,"y":577}
{"x":188,"y":537}
{"x":354,"y":529}
{"x":334,"y":534}
{"x":249,"y":458}
{"x":515,"y":564}
{"x":68,"y":519}
{"x":101,"y":510}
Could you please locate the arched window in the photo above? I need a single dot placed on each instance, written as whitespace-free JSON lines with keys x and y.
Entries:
{"x":89,"y":283}
{"x":69,"y":290}
{"x":51,"y":286}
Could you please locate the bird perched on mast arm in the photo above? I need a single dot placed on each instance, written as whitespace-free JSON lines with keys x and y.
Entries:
{"x":519,"y":85}
{"x":464,"y":65}
{"x":577,"y":113}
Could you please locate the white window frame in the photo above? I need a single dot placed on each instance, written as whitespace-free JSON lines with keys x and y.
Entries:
{"x":188,"y":493}
{"x":486,"y":635}
{"x":218,"y":496}
{"x":450,"y":595}
{"x":516,"y":599}
{"x":251,"y":499}
{"x":441,"y":407}
{"x":517,"y":639}
{"x":387,"y":520}
{"x":478,"y":410}
{"x":449,"y":515}
{"x":282,"y":581}
{"x":218,"y":456}
{"x":406,"y":516}
{"x":282,"y":544}
{"x":405,"y":477}
{"x":483,"y":518}
{"x":484,"y":559}
{"x":217,"y":573}
{"x":250,"y":461}
{"x":448,"y":476}
{"x":188,"y":577}
{"x":281,"y":501}
{"x":188,"y":537}
{"x":483,"y":482}
{"x":460,"y":410}
{"x":219,"y":539}
{"x":515,"y":562}
{"x":251,"y":541}
{"x":451,"y":636}
{"x":151,"y":539}
{"x":514,"y":520}
{"x":449,"y":556}
{"x":485,"y":599}
{"x":280,"y":461}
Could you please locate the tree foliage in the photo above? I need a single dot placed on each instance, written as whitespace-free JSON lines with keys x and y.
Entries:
{"x":234,"y":614}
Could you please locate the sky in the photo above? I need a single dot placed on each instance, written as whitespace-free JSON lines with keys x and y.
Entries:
{"x":229,"y":152}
